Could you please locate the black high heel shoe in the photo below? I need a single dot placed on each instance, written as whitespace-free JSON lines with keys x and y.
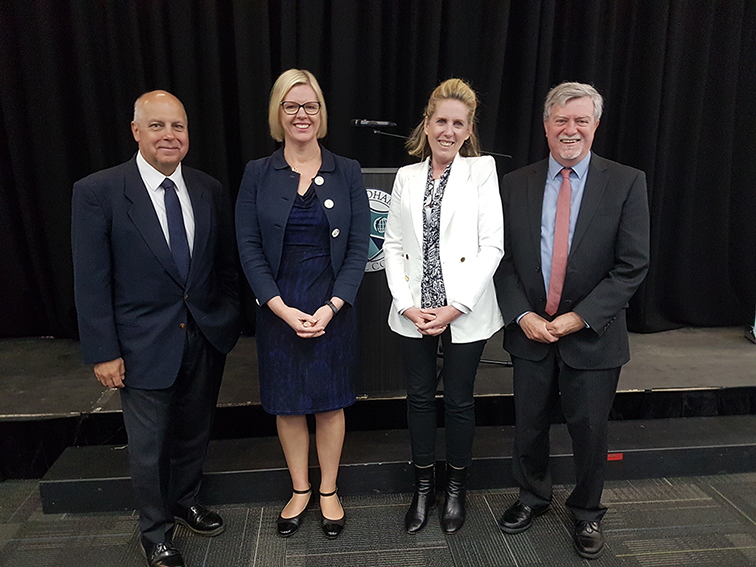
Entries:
{"x":288,"y":526}
{"x":331,"y":528}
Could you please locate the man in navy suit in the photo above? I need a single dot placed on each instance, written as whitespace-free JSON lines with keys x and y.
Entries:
{"x":157,"y":299}
{"x":576,"y":249}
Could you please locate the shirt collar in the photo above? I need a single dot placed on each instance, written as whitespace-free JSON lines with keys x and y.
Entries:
{"x":153,"y":178}
{"x":580,"y":168}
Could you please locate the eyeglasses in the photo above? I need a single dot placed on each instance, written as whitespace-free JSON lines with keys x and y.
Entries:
{"x":310,"y":108}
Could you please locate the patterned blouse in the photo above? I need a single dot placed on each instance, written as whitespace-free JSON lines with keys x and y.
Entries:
{"x":433,"y":293}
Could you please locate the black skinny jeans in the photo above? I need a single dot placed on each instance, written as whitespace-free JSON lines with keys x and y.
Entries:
{"x":460,"y":366}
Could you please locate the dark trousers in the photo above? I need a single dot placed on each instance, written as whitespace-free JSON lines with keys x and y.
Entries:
{"x":587,"y":397}
{"x":460,"y":366}
{"x":168,"y":432}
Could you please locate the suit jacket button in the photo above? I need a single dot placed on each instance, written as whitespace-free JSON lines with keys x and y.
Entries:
{"x":328,"y":204}
{"x":538,"y":269}
{"x":335,"y":232}
{"x":319,"y":180}
{"x":186,"y":296}
{"x":182,"y":326}
{"x":406,"y":278}
{"x":541,"y":298}
{"x":406,"y":256}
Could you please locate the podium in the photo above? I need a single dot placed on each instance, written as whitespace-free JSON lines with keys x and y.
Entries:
{"x":380,"y":371}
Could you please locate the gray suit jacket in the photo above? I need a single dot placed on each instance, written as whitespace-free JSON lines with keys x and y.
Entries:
{"x":608,"y":260}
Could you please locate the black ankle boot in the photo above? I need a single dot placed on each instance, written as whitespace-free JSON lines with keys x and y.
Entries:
{"x":454,"y":512}
{"x":425,"y":495}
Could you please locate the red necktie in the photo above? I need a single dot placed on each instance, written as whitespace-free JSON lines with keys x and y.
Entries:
{"x":561,"y":243}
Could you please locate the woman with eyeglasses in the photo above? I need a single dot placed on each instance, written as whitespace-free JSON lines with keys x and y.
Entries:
{"x":444,"y":240}
{"x":302,"y":224}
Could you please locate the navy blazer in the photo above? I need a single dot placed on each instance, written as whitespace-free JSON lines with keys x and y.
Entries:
{"x":266,"y":196}
{"x":129,"y":297}
{"x":608,"y":260}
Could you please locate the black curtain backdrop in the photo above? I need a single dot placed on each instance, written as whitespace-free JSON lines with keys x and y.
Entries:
{"x":679,"y":78}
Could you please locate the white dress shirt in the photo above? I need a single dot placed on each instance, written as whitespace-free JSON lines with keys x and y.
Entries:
{"x":152,"y":179}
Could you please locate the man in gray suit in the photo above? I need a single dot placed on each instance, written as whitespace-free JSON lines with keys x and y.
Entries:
{"x":576,"y":249}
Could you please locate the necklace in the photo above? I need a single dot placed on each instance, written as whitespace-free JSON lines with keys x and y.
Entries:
{"x":296,"y":169}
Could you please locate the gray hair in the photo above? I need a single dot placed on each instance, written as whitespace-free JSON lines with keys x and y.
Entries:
{"x":565,"y":92}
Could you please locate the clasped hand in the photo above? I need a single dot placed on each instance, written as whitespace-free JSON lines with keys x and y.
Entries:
{"x":305,"y":325}
{"x":538,"y":329}
{"x":432,"y":321}
{"x":308,"y":326}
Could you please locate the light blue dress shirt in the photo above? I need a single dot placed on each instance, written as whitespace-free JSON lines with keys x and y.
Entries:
{"x":548,"y":212}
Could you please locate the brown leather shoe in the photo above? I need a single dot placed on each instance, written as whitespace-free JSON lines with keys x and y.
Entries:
{"x":519,"y":517}
{"x":200,"y":520}
{"x":589,"y":541}
{"x":163,"y":554}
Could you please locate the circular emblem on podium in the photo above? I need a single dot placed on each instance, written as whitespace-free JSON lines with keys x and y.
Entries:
{"x":379,"y":207}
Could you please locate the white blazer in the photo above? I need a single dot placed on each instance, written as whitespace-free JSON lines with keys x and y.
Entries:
{"x":471,"y":246}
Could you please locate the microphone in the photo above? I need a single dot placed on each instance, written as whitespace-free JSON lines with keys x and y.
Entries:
{"x":363,"y":123}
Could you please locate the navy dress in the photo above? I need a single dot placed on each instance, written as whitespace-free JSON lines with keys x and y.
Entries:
{"x":304,"y":376}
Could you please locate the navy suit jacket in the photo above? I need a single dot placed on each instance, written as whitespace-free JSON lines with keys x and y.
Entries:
{"x":266,"y":196}
{"x":608,"y":260}
{"x":129,"y":297}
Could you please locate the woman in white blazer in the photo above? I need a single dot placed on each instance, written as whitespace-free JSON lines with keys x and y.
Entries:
{"x":444,"y":240}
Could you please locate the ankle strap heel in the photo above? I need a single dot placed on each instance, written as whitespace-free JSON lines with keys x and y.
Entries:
{"x":331,"y":528}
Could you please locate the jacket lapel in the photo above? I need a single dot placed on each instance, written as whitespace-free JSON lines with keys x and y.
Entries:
{"x":142,"y":214}
{"x":329,"y":189}
{"x":455,"y":190}
{"x":417,"y":191}
{"x":202,"y":209}
{"x":595,"y":186}
{"x":536,"y":184}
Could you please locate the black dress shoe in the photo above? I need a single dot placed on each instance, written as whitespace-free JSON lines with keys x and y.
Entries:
{"x":589,"y":541}
{"x":331,"y":528}
{"x":200,"y":520}
{"x":519,"y":517}
{"x":287,"y":526}
{"x":163,"y":554}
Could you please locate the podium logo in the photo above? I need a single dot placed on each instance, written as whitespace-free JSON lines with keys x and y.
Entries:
{"x":379,"y":207}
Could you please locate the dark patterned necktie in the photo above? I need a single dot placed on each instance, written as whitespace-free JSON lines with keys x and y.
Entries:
{"x":176,"y":229}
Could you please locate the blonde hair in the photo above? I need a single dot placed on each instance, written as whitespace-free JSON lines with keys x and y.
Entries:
{"x":454,"y":89}
{"x":281,"y":88}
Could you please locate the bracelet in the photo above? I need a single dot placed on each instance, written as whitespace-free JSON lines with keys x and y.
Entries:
{"x":330,"y":304}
